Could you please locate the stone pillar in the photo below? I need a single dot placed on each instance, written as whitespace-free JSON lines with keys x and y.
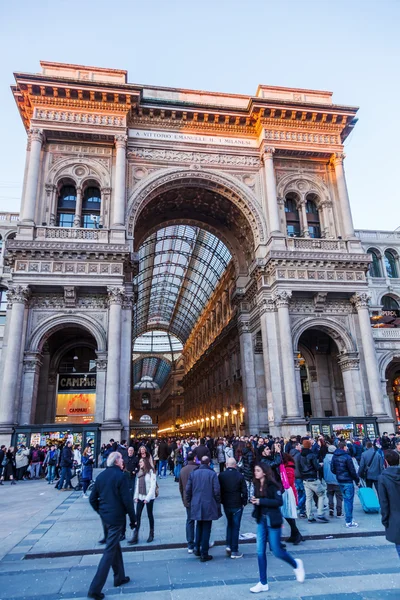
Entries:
{"x":349,"y":364}
{"x":272,"y":367}
{"x":304,"y":220}
{"x":119,"y":186}
{"x":32,"y":365}
{"x":347,"y":220}
{"x":51,"y":191}
{"x":270,"y":185}
{"x":105,"y":206}
{"x":248,"y":376}
{"x":299,"y":391}
{"x":126,"y":364}
{"x":101,"y":373}
{"x":78,"y":208}
{"x":32,"y":177}
{"x":112,"y":422}
{"x":281,"y":299}
{"x":18,"y":296}
{"x":315,"y":392}
{"x":361,"y":301}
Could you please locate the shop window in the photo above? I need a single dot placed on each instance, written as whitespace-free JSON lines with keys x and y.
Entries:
{"x":292,"y":216}
{"x":375,"y":266}
{"x":76,"y":388}
{"x":66,"y":206}
{"x":91,"y":207}
{"x":391,"y":266}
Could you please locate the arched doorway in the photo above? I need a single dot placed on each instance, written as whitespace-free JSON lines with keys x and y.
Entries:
{"x":392,"y":376}
{"x":188,"y":227}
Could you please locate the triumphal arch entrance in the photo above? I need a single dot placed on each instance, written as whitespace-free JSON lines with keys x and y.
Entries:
{"x":184,"y":262}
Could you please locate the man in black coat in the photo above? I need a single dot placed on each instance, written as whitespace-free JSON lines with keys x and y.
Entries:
{"x":389,"y":498}
{"x":183,"y":479}
{"x":233,"y":498}
{"x":163,"y":454}
{"x":309,"y":467}
{"x":203,"y":494}
{"x":202,"y":450}
{"x":342,"y":466}
{"x":67,"y":460}
{"x":112,"y":500}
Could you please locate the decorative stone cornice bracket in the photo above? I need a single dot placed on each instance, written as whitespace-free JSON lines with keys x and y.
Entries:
{"x":282,"y":298}
{"x":18,"y":294}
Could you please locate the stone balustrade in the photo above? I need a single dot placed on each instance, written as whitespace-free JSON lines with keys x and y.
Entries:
{"x":316,"y":244}
{"x":72,"y":233}
{"x":382,"y":333}
{"x":367,"y":235}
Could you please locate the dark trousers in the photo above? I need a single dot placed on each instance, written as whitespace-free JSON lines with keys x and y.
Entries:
{"x":221,"y":467}
{"x":65,"y":476}
{"x":233,"y":518}
{"x":372,"y":483}
{"x":139,"y":509}
{"x":334,"y":490}
{"x":112,"y":557}
{"x":203,"y":532}
{"x":21,"y":472}
{"x":189,"y":530}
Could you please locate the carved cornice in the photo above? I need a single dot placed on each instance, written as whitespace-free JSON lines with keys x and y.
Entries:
{"x":78,"y":117}
{"x":361,"y":300}
{"x":18,"y":294}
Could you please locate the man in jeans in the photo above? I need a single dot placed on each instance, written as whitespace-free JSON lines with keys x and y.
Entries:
{"x":301,"y":493}
{"x":67,"y":459}
{"x":183,"y":479}
{"x":308,"y":467}
{"x":163,"y":454}
{"x":234,"y":499}
{"x":343,"y":467}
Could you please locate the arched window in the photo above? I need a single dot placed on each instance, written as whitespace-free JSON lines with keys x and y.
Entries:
{"x":389,"y":303}
{"x":390,"y":262}
{"x":292,"y":216}
{"x":66,"y":206}
{"x":314,"y":227}
{"x":375,"y":266}
{"x":91,"y":207}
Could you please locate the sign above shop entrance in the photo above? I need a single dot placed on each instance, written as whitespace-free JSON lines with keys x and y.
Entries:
{"x":76,"y":381}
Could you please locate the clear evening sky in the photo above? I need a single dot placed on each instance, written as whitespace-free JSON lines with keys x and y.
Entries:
{"x":350,"y":47}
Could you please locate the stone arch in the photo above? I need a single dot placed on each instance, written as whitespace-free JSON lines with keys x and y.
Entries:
{"x":335,"y":330}
{"x":79,"y":171}
{"x":57,"y":356}
{"x":167,"y":179}
{"x":52,"y":324}
{"x":385,"y":359}
{"x":390,"y":294}
{"x":302,"y":185}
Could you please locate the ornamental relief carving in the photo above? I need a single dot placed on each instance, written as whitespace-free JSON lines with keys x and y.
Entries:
{"x":206,"y":158}
{"x":67,"y":116}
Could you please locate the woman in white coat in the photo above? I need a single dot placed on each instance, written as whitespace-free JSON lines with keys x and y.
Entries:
{"x":145,"y":493}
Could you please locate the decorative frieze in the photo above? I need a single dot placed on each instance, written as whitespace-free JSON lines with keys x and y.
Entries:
{"x":83,"y":150}
{"x":284,"y":135}
{"x":69,"y":267}
{"x":57,"y":301}
{"x":154,"y":154}
{"x":82,"y":118}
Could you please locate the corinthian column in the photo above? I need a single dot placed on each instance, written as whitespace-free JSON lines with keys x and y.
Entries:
{"x":361,"y":301}
{"x":347,"y":220}
{"x":78,"y":208}
{"x":18,"y":297}
{"x":270,"y":185}
{"x":282,"y":299}
{"x":248,"y":376}
{"x":111,"y":409}
{"x":32,"y":176}
{"x":120,"y":175}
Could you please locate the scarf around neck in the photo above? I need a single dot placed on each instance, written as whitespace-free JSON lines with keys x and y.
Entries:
{"x":142,"y":483}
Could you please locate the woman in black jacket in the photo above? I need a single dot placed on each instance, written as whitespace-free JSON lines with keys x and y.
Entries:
{"x":248,"y":460}
{"x":267,"y":500}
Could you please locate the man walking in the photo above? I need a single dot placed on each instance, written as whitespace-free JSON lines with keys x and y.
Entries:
{"x":343,"y":467}
{"x":203,"y":495}
{"x":332,"y":485}
{"x":112,"y":500}
{"x":301,"y":493}
{"x":163,"y":454}
{"x":234,"y":498}
{"x":67,"y":460}
{"x":389,"y":498}
{"x":183,"y":479}
{"x":308,"y":467}
{"x":371,"y":466}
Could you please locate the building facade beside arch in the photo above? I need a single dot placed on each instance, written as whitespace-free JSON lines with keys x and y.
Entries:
{"x":191,"y":258}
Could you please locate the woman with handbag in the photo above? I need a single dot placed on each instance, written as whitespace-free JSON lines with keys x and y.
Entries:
{"x":145,"y":493}
{"x":267,"y":501}
{"x":290,"y":499}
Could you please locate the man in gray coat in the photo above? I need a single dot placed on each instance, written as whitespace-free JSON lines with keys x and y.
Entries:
{"x":203,"y":495}
{"x":183,"y":479}
{"x":389,"y":498}
{"x":371,"y":466}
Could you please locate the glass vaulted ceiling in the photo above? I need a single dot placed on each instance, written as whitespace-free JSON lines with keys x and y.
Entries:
{"x":179,"y":267}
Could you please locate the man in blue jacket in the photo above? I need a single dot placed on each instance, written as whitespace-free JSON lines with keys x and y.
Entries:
{"x":343,"y":467}
{"x":112,"y":500}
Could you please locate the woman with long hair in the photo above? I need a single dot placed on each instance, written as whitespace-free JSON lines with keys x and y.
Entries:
{"x":267,"y":501}
{"x":87,"y":469}
{"x":290,"y":498}
{"x":145,"y":493}
{"x":144,"y":453}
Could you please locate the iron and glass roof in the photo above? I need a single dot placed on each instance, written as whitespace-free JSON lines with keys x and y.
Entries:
{"x":150,"y":373}
{"x":159,"y":342}
{"x":179,"y":267}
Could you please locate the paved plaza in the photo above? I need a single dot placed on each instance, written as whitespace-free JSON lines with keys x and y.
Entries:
{"x":49,"y":551}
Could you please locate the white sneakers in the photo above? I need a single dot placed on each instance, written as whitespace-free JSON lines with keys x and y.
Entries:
{"x":299,"y":570}
{"x":260,"y":587}
{"x":352,"y":524}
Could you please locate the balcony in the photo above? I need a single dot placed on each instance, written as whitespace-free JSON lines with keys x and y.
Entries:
{"x":381,"y":333}
{"x":366,"y":235}
{"x":316,"y":244}
{"x":72,"y":233}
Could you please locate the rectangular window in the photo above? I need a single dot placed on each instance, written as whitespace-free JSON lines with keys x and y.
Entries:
{"x":65,"y":219}
{"x":293,"y":230}
{"x":88,"y":222}
{"x":314,"y":231}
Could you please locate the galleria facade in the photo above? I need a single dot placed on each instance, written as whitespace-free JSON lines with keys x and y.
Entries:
{"x":186,"y":261}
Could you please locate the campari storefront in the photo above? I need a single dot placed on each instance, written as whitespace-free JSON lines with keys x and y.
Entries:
{"x":74,"y":406}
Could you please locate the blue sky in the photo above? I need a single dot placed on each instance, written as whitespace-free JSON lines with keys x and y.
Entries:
{"x":349,"y":47}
